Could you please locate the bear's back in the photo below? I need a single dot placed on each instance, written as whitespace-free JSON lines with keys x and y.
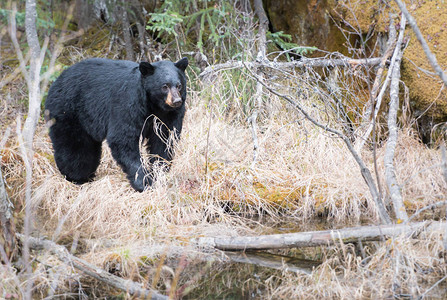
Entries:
{"x":94,"y":79}
{"x":101,"y":72}
{"x":87,"y":90}
{"x":101,"y":65}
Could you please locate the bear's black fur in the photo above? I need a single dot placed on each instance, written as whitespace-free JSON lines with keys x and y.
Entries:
{"x":99,"y":99}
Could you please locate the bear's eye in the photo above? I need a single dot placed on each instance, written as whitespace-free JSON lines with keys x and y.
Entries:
{"x":179,"y":86}
{"x":165,"y":87}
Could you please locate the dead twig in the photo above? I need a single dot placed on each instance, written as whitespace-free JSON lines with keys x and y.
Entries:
{"x":432,"y":287}
{"x":431,"y":206}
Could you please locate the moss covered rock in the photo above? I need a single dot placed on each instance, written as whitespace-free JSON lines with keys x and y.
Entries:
{"x":428,"y":97}
{"x":310,"y":22}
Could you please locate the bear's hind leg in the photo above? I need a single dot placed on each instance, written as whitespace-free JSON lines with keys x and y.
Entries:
{"x":76,"y":153}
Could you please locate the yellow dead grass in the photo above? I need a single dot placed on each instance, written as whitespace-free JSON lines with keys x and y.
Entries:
{"x":301,"y":173}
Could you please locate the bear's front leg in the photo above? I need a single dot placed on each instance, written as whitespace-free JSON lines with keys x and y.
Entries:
{"x":125,"y":150}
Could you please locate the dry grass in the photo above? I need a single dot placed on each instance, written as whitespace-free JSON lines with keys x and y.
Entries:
{"x":401,"y":268}
{"x":303,"y":175}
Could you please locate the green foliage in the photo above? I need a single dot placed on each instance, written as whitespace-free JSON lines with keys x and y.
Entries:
{"x":207,"y":26}
{"x":41,"y":23}
{"x":283,"y":41}
{"x":213,"y":17}
{"x":200,"y":22}
{"x":6,"y":13}
{"x":166,"y":21}
{"x":44,"y":24}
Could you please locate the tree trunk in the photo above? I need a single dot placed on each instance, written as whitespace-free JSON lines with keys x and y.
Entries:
{"x":29,"y":128}
{"x":260,"y":57}
{"x":130,"y":55}
{"x":34,"y":74}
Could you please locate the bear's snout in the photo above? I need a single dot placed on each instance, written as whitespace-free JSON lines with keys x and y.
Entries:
{"x":173,"y":99}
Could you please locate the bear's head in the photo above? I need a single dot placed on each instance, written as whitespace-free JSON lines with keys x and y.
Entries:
{"x":165,"y":83}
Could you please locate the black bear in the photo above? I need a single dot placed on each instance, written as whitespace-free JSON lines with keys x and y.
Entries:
{"x":120,"y":101}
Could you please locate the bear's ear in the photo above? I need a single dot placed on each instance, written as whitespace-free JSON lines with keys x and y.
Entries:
{"x":146,"y":68}
{"x":182,"y":64}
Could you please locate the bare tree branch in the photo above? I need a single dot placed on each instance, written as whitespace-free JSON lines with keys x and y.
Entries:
{"x":268,"y":260}
{"x":432,"y":287}
{"x":302,"y":63}
{"x":431,"y":206}
{"x":444,"y":171}
{"x":431,"y":57}
{"x":15,"y":42}
{"x":57,"y":48}
{"x":128,"y":286}
{"x":26,"y":154}
{"x":385,"y":218}
{"x":372,"y":108}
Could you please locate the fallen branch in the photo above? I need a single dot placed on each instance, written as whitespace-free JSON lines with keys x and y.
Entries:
{"x":322,"y":62}
{"x":128,"y":286}
{"x":316,"y":238}
{"x":390,"y":174}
